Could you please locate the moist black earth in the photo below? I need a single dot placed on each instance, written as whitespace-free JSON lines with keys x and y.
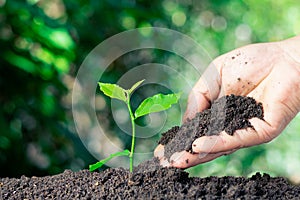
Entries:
{"x":151,"y":181}
{"x":163,"y":183}
{"x":228,"y":113}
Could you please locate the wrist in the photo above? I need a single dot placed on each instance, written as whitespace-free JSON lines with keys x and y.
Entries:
{"x":291,"y":47}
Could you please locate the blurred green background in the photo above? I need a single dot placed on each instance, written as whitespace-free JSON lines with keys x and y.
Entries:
{"x":43,"y":43}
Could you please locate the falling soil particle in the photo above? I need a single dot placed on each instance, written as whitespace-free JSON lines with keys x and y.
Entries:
{"x":228,"y":113}
{"x":163,"y":183}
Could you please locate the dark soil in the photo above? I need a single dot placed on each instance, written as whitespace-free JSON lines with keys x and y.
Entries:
{"x":151,"y":181}
{"x":164,"y":183}
{"x":228,"y":113}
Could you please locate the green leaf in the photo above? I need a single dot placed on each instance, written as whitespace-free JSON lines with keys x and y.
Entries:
{"x":156,"y":103}
{"x":99,"y":164}
{"x":135,"y":86}
{"x":113,"y":91}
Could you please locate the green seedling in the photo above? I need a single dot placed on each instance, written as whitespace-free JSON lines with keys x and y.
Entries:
{"x":156,"y":103}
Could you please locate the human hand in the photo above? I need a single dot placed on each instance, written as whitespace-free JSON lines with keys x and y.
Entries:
{"x":268,"y":72}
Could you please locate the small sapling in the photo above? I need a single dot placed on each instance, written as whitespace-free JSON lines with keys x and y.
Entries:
{"x":156,"y":103}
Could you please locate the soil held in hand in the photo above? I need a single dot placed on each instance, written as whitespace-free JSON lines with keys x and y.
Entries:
{"x":164,"y":183}
{"x":228,"y":113}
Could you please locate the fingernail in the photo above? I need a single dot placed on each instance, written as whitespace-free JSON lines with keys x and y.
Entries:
{"x":164,"y":162}
{"x":204,"y":144}
{"x":159,"y":152}
{"x":176,"y":158}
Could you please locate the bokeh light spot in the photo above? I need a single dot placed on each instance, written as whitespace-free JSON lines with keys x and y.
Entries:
{"x":219,"y":23}
{"x":179,"y":18}
{"x":243,"y":32}
{"x":128,"y":22}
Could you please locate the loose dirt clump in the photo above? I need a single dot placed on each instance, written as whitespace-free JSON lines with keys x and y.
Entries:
{"x":228,"y":113}
{"x":163,"y":183}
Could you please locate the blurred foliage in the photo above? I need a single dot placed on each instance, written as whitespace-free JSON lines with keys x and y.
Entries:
{"x":44,"y":42}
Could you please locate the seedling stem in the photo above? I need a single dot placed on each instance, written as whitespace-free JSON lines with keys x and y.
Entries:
{"x":156,"y":103}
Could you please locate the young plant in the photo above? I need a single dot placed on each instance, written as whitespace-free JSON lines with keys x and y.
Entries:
{"x":156,"y":103}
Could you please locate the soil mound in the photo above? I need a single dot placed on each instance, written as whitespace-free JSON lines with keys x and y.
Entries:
{"x":151,"y":181}
{"x":163,"y":183}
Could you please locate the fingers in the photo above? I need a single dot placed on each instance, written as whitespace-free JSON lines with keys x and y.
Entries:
{"x":159,"y":151}
{"x":240,"y":139}
{"x":277,"y":114}
{"x":185,"y":159}
{"x":208,"y":148}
